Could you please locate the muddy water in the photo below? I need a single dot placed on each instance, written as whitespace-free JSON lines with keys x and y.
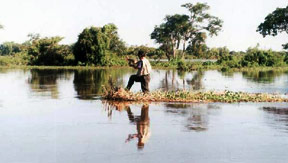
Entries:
{"x":56,"y":116}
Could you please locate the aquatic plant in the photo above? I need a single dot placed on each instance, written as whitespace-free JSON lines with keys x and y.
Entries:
{"x":120,"y":94}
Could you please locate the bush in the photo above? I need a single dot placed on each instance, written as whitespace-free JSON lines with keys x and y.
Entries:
{"x":181,"y":65}
{"x":256,"y":57}
{"x":229,"y":61}
{"x":94,"y":44}
{"x":47,"y":51}
{"x":18,"y":59}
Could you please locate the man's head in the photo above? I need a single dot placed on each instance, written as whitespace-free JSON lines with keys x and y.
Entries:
{"x":141,"y":54}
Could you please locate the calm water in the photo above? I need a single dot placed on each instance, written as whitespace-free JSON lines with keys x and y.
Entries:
{"x":56,"y":116}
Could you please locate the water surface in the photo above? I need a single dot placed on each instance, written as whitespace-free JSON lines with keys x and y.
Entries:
{"x":56,"y":116}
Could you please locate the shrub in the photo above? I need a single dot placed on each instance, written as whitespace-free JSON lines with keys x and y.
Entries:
{"x":256,"y":57}
{"x":229,"y":61}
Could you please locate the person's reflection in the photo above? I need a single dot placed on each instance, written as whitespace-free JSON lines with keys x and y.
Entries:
{"x":142,"y":125}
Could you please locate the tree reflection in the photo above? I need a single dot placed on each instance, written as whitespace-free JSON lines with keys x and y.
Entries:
{"x":197,"y":115}
{"x":277,"y":117}
{"x":196,"y":81}
{"x":45,"y":81}
{"x":229,"y":74}
{"x":169,"y":82}
{"x":88,"y":83}
{"x":141,"y":121}
{"x":175,"y":80}
{"x":261,"y":76}
{"x":4,"y":70}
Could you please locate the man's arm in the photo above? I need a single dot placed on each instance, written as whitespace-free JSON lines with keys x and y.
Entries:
{"x":132,"y":62}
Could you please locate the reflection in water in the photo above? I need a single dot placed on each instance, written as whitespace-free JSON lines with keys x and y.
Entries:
{"x":196,"y":81}
{"x":169,"y":82}
{"x":175,"y":80}
{"x":227,"y":73}
{"x":4,"y":70}
{"x":45,"y":81}
{"x":262,"y":76}
{"x":88,"y":83}
{"x":141,"y":121}
{"x":197,"y":115}
{"x":142,"y":125}
{"x":277,"y":117}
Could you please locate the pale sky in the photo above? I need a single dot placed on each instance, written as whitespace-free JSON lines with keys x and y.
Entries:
{"x":135,"y":19}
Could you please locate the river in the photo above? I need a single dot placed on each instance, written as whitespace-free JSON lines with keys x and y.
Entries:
{"x":56,"y":116}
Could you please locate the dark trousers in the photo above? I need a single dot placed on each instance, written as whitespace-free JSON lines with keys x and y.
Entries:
{"x":144,"y":79}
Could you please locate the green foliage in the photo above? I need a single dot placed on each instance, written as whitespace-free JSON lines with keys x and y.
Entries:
{"x":183,"y":28}
{"x":170,"y":33}
{"x":119,"y":94}
{"x":217,"y":53}
{"x":285,"y":46}
{"x":90,"y":47}
{"x":197,"y":47}
{"x":10,"y":48}
{"x":114,"y":60}
{"x":286,"y":58}
{"x":95,"y":43}
{"x":47,"y":51}
{"x":253,"y":57}
{"x":275,"y":22}
{"x":229,"y":61}
{"x":181,"y":65}
{"x":18,"y":59}
{"x":151,"y":52}
{"x":256,"y":57}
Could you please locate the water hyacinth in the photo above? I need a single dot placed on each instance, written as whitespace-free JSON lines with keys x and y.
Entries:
{"x":121,"y":94}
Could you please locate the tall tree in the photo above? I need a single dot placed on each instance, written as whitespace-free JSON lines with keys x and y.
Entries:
{"x":275,"y":22}
{"x":170,"y":33}
{"x":180,"y":29}
{"x":114,"y":43}
{"x":197,"y":46}
{"x":90,"y":47}
{"x":95,"y":43}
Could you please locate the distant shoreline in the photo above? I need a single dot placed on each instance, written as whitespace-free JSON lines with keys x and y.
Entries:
{"x":283,"y":68}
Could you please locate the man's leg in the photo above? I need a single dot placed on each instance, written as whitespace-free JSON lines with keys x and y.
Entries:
{"x":132,"y":79}
{"x":145,"y":83}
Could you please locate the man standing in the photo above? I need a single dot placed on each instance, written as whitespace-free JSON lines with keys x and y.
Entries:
{"x":143,"y":73}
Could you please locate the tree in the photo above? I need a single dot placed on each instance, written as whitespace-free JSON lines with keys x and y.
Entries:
{"x":180,"y":29}
{"x":47,"y":51}
{"x":197,"y":46}
{"x":275,"y":22}
{"x":10,"y":48}
{"x":95,"y":43}
{"x":170,"y":34}
{"x":114,"y":43}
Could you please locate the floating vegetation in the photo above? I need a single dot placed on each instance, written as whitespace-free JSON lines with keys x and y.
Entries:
{"x":120,"y":94}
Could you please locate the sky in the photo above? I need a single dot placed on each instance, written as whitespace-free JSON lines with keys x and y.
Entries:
{"x":135,"y":20}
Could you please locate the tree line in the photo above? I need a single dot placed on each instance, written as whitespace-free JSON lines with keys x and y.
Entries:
{"x":179,"y":36}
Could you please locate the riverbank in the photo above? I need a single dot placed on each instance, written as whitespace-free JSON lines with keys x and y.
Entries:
{"x":196,"y":67}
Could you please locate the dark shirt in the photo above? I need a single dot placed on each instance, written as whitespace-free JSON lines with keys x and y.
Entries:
{"x":139,"y":64}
